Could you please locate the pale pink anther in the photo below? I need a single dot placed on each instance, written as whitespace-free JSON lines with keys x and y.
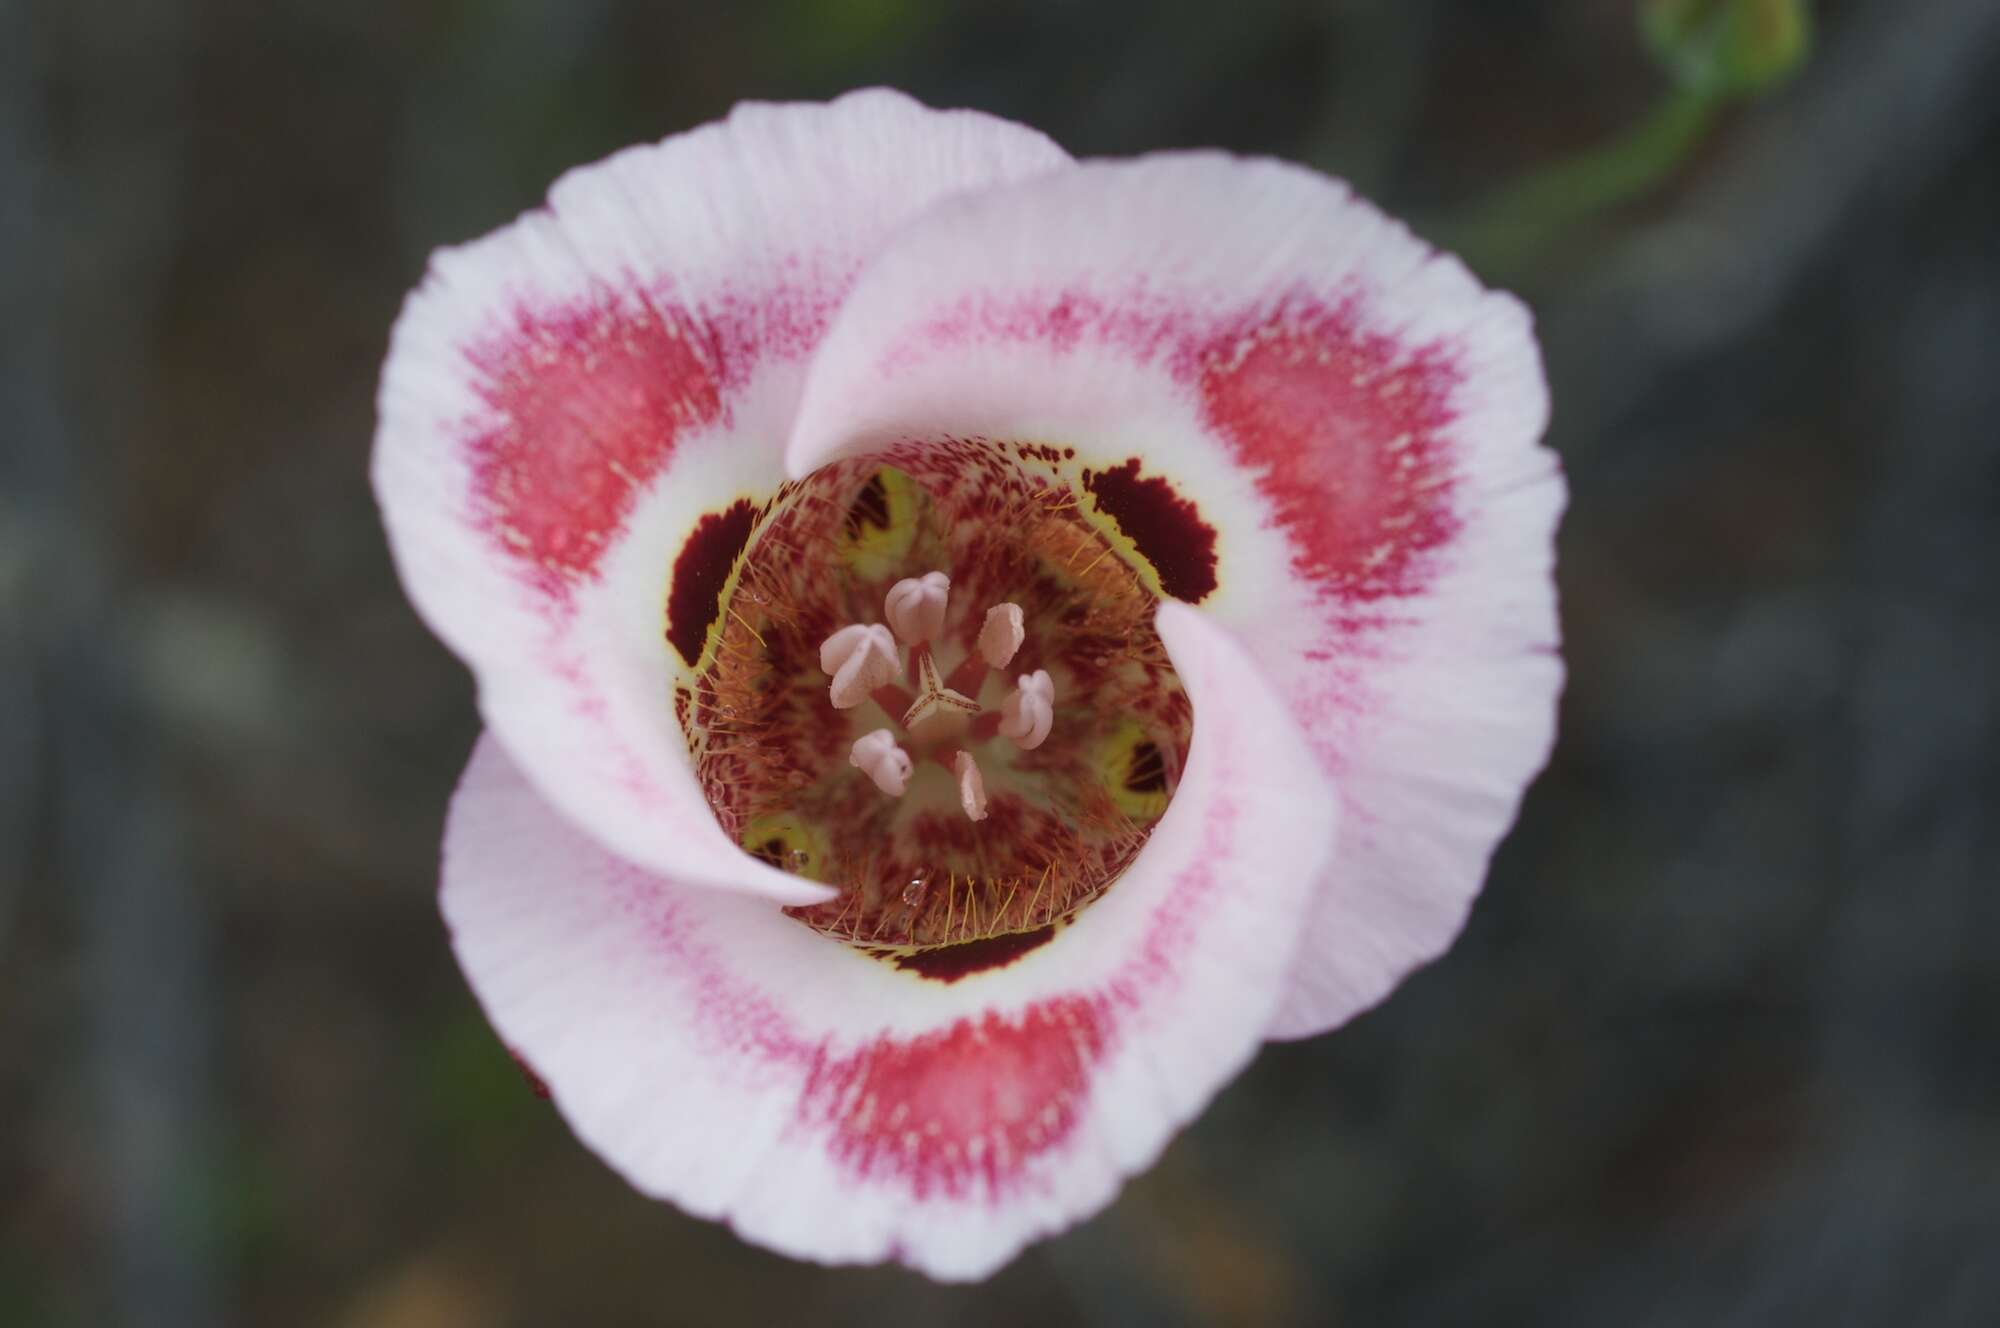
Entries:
{"x":915,"y":607}
{"x":876,"y":755}
{"x":1001,"y":635}
{"x":971,"y":786}
{"x":860,"y":658}
{"x":1029,"y":710}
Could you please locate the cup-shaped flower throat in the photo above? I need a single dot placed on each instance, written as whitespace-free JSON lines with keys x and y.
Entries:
{"x":931,"y":680}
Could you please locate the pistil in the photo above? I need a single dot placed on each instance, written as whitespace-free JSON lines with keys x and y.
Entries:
{"x":936,"y":704}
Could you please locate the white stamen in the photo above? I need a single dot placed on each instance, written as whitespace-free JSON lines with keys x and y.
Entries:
{"x":1001,"y":635}
{"x":1029,"y":710}
{"x":877,"y":756}
{"x":971,"y":786}
{"x":915,"y":606}
{"x":860,"y":658}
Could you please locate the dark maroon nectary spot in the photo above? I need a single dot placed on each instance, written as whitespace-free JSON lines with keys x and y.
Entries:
{"x":700,"y":572}
{"x":1166,"y":527}
{"x":949,"y":963}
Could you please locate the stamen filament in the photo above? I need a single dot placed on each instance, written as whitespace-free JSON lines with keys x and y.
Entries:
{"x":968,"y":676}
{"x":893,"y":699}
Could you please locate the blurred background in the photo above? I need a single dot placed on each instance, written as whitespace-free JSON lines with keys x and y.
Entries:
{"x":1722,"y":1042}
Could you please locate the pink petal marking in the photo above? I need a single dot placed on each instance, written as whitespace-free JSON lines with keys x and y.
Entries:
{"x":967,"y":1106}
{"x":985,"y":1097}
{"x":588,"y":404}
{"x":982,"y":1097}
{"x":1343,"y":430}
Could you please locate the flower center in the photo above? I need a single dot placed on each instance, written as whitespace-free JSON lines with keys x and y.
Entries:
{"x":932,"y":681}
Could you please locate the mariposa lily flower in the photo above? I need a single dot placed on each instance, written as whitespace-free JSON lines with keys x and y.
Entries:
{"x":928,"y":597}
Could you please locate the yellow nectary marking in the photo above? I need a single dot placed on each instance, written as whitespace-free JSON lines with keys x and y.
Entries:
{"x":787,"y":843}
{"x":880,"y":524}
{"x":1133,"y":768}
{"x":1112,"y":540}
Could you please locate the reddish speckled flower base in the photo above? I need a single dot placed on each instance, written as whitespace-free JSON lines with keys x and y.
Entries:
{"x":921,"y":885}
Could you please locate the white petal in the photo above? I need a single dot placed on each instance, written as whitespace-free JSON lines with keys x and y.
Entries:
{"x":724,"y":1056}
{"x":579,"y":414}
{"x":1311,"y":424}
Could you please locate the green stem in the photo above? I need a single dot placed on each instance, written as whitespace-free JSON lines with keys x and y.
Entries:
{"x":1515,"y":225}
